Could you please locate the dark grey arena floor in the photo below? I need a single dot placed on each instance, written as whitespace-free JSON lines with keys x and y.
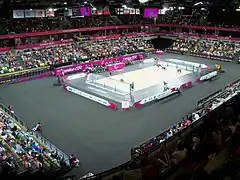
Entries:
{"x":100,"y":137}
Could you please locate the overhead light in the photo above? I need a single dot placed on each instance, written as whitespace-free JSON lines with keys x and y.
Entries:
{"x":65,"y":3}
{"x":143,"y":1}
{"x":94,"y":8}
{"x":181,"y":8}
{"x":199,"y":3}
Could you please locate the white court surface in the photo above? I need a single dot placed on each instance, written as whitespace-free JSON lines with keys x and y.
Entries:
{"x":143,"y":78}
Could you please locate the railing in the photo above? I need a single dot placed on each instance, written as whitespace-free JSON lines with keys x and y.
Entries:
{"x":44,"y":33}
{"x":63,"y":157}
{"x":24,"y":75}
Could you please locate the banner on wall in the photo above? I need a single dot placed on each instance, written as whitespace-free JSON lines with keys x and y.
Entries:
{"x":132,"y":11}
{"x":29,"y":13}
{"x":127,"y":11}
{"x":39,"y":13}
{"x":104,"y":11}
{"x":17,"y":14}
{"x":50,"y":13}
{"x":137,"y":11}
{"x":119,"y":10}
{"x":99,"y":12}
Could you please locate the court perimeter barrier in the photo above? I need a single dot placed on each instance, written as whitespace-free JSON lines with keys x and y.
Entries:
{"x":225,"y":96}
{"x":81,"y":67}
{"x":64,"y":158}
{"x":108,"y":83}
{"x":25,"y":75}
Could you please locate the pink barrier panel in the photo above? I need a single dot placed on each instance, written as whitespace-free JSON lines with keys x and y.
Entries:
{"x":112,"y":67}
{"x":178,"y":34}
{"x":138,"y":34}
{"x":106,"y":37}
{"x":159,"y":53}
{"x":221,"y":37}
{"x":187,"y":85}
{"x":131,"y":57}
{"x":32,"y":34}
{"x":80,"y":67}
{"x":102,"y":62}
{"x":4,"y":49}
{"x":51,"y":43}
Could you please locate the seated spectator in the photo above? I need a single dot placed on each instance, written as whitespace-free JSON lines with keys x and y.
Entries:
{"x":217,"y":138}
{"x":82,"y":51}
{"x":73,"y":161}
{"x":8,"y":63}
{"x":18,"y":144}
{"x":52,"y":55}
{"x":183,"y":45}
{"x":179,"y":154}
{"x":45,"y":24}
{"x":215,"y":49}
{"x":234,"y":147}
{"x":130,"y":19}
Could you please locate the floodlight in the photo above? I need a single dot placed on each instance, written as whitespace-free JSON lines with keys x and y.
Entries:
{"x":143,"y":1}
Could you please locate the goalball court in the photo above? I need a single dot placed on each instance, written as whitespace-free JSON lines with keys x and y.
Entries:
{"x":143,"y":78}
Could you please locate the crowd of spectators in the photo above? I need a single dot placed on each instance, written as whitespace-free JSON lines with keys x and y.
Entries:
{"x":46,"y":56}
{"x":8,"y":63}
{"x":206,"y":47}
{"x":183,"y":45}
{"x":82,"y":51}
{"x":114,"y":47}
{"x":192,"y":16}
{"x":8,"y":26}
{"x":191,"y":154}
{"x":20,"y":150}
{"x":215,"y":48}
{"x":92,"y":22}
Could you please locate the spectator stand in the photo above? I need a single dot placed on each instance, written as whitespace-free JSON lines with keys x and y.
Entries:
{"x":53,"y":159}
{"x":45,"y":54}
{"x":9,"y":63}
{"x":206,"y":47}
{"x":38,"y":57}
{"x":195,"y":119}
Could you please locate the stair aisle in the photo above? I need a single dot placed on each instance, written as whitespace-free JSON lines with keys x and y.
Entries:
{"x":19,"y":60}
